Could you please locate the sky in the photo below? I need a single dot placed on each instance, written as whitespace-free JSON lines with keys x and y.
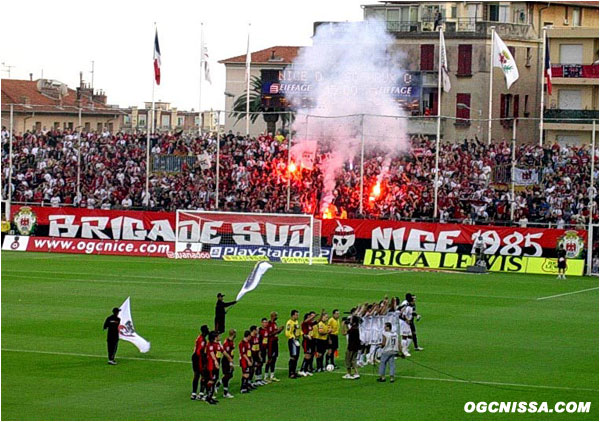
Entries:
{"x":61,"y":38}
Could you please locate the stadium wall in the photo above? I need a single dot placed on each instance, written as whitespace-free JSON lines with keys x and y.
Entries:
{"x":367,"y":242}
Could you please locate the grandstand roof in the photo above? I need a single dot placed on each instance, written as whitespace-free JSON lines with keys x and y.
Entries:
{"x":272,"y":55}
{"x":25,"y":96}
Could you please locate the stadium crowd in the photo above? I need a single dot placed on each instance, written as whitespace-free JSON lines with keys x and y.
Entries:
{"x":474,"y":179}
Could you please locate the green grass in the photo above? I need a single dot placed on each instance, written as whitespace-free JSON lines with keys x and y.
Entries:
{"x":486,"y":338}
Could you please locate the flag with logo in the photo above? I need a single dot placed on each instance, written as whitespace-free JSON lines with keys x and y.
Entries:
{"x":505,"y":61}
{"x":548,"y":68}
{"x":254,"y":278}
{"x":127,"y":331}
{"x":444,"y":60}
{"x":156,"y":59}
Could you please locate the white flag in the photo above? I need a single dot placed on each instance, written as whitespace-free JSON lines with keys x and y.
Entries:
{"x":127,"y":331}
{"x":204,"y":161}
{"x":505,"y":61}
{"x":248,"y":58}
{"x":444,"y":59}
{"x":205,"y":64}
{"x":254,"y":278}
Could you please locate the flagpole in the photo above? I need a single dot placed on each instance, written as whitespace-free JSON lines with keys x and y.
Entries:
{"x":248,"y":63}
{"x":437,"y":138}
{"x":200,"y":90}
{"x":493,"y":28}
{"x":543,"y":78}
{"x":591,"y":216}
{"x":512,"y":170}
{"x":218,"y":159}
{"x":150,"y":124}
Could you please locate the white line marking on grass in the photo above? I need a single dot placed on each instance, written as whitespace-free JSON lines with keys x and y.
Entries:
{"x":130,"y":279}
{"x":506,"y":384}
{"x":565,"y":294}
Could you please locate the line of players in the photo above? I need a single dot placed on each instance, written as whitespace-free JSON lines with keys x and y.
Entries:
{"x":259,"y":349}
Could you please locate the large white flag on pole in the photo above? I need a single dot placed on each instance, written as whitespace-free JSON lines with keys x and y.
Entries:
{"x":505,"y":61}
{"x":127,"y":330}
{"x":254,"y":278}
{"x":248,"y":63}
{"x":444,"y":64}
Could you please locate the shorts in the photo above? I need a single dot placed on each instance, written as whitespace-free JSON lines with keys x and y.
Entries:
{"x":307,"y":345}
{"x":244,"y":366}
{"x":256,"y":358}
{"x":196,"y":363}
{"x":405,"y":329}
{"x":273,"y":349}
{"x":226,"y":367}
{"x":263,"y":354}
{"x":322,"y":346}
{"x":562,"y":264}
{"x":333,"y":342}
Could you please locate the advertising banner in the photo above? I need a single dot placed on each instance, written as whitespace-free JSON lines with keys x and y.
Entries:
{"x":454,"y":261}
{"x":341,"y":241}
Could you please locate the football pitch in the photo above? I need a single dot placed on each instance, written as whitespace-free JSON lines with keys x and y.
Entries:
{"x":492,"y":337}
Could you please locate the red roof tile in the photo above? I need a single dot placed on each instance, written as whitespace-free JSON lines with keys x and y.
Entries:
{"x":17,"y":91}
{"x":283,"y":55}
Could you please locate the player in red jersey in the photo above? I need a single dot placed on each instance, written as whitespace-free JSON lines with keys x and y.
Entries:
{"x":273,"y":351}
{"x":307,"y":344}
{"x":263,"y":334}
{"x":227,"y":363}
{"x":198,"y":362}
{"x":245,"y":361}
{"x":212,"y":365}
{"x":255,"y":348}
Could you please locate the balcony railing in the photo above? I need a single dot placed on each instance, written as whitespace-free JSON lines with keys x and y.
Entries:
{"x":570,"y":116}
{"x":575,"y":71}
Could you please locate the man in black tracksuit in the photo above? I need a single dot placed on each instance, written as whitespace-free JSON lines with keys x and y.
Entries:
{"x":112,"y":337}
{"x":220,"y":310}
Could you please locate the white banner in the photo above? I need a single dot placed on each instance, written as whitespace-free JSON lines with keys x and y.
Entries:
{"x":254,"y":278}
{"x":524,"y":177}
{"x":444,"y":59}
{"x":15,"y":243}
{"x":505,"y":61}
{"x":127,"y":330}
{"x":204,"y":161}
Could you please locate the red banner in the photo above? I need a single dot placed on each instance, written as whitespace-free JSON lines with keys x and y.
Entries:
{"x":348,"y":238}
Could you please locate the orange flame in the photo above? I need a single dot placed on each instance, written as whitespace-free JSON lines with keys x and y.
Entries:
{"x":375,"y":192}
{"x":292,"y":167}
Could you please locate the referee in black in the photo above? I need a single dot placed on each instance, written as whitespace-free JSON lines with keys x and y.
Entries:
{"x":220,"y":310}
{"x":112,"y":337}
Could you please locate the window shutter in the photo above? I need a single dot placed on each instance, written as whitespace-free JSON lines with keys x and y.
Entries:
{"x":513,"y":52}
{"x":516,"y":106}
{"x":463,"y":112}
{"x":464,"y":59}
{"x":502,"y":106}
{"x":427,"y":56}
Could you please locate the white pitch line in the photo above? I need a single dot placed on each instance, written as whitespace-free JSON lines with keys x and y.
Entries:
{"x":506,"y":384}
{"x":565,"y":294}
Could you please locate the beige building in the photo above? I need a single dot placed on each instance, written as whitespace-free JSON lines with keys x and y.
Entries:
{"x":45,"y":104}
{"x":574,"y":61}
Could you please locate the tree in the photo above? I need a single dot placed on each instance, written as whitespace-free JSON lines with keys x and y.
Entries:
{"x":256,"y":107}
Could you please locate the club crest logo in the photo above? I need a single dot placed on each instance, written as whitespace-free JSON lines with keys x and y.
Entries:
{"x":127,"y":330}
{"x":572,"y":243}
{"x":25,"y":221}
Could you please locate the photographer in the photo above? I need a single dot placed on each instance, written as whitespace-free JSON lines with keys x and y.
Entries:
{"x":478,"y":248}
{"x":351,"y":330}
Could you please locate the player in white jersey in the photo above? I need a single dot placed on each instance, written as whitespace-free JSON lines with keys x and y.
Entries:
{"x":406,"y":315}
{"x":389,"y":348}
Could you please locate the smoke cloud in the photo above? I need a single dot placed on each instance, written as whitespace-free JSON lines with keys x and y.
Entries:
{"x":343,"y":90}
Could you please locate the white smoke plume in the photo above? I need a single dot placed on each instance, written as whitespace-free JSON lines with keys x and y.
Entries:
{"x":350,"y":69}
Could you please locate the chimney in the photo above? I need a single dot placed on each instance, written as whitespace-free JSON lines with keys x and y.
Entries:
{"x":31,"y":76}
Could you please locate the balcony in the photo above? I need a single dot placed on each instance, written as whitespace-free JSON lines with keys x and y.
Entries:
{"x":569,"y":120}
{"x":575,"y":71}
{"x":426,"y":125}
{"x":463,"y":28}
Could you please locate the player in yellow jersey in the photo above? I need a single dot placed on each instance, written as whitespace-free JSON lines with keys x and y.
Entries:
{"x":292,"y":332}
{"x":332,"y":344}
{"x":322,"y":339}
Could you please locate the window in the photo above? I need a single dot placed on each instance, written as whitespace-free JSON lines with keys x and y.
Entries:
{"x":463,"y":109}
{"x":142,"y":121}
{"x":516,"y":106}
{"x":569,"y":99}
{"x":506,"y":103}
{"x":577,"y":16}
{"x":429,"y":11}
{"x":180,"y":120}
{"x":528,"y":58}
{"x":87,"y":126}
{"x":166,"y":120}
{"x":453,"y":12}
{"x":70,"y":125}
{"x":571,"y":53}
{"x":513,"y":52}
{"x":393,"y":15}
{"x":197,"y":120}
{"x":464,"y":59}
{"x":375,"y":13}
{"x":127,"y":119}
{"x":99,"y":127}
{"x":38,"y":126}
{"x":56,"y":125}
{"x":427,"y":56}
{"x":526,"y":106}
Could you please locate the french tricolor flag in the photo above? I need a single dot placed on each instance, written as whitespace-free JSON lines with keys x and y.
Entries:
{"x":156,"y":59}
{"x":548,"y":68}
